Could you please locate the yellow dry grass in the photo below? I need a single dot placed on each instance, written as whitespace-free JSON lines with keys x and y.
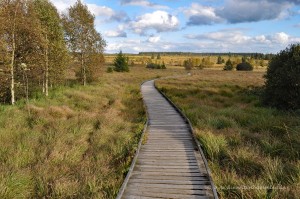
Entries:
{"x":253,"y":151}
{"x":78,"y":143}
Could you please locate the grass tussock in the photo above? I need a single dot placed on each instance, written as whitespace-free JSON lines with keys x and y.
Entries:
{"x":253,"y":151}
{"x":78,"y":142}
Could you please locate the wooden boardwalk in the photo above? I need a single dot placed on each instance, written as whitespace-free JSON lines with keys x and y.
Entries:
{"x":169,"y":164}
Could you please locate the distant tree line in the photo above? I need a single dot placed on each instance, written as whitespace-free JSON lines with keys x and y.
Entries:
{"x":37,"y":46}
{"x":252,"y":55}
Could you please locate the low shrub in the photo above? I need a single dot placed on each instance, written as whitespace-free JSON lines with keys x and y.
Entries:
{"x":109,"y":70}
{"x":228,"y":65}
{"x":188,"y":64}
{"x":156,"y":66}
{"x":244,"y":66}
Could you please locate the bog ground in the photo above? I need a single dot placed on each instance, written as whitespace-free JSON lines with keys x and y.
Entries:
{"x":253,"y":150}
{"x":79,"y":142}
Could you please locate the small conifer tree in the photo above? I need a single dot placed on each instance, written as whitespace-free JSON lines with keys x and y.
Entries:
{"x":120,"y":63}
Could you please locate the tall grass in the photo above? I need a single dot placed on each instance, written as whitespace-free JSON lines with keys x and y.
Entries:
{"x":77,"y":143}
{"x":253,"y":151}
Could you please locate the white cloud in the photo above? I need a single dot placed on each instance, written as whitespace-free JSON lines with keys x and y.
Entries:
{"x":62,"y":5}
{"x":97,"y":10}
{"x":105,"y":11}
{"x":160,"y":21}
{"x":238,"y":41}
{"x":143,"y":3}
{"x":201,"y":15}
{"x":281,"y":37}
{"x":230,"y":36}
{"x":115,"y":33}
{"x":153,"y":39}
{"x":261,"y":38}
{"x":100,"y":10}
{"x":135,"y":46}
{"x":129,"y":45}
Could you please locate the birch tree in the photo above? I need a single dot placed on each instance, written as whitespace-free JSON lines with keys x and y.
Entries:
{"x":82,"y":38}
{"x":10,"y":13}
{"x":55,"y":55}
{"x":21,"y":40}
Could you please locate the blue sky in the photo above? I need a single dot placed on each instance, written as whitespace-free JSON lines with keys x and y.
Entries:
{"x":133,"y":26}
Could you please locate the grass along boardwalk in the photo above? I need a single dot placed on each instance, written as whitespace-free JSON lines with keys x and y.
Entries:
{"x":169,"y":164}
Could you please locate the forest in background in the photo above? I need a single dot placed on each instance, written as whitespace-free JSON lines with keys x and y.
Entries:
{"x":39,"y":48}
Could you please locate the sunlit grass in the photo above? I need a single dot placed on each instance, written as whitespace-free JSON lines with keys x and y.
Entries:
{"x":253,"y":151}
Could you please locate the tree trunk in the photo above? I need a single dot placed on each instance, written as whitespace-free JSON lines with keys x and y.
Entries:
{"x":47,"y":69}
{"x":83,"y":69}
{"x":12,"y":83}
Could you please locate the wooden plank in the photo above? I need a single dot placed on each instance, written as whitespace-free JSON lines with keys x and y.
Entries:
{"x":170,"y":139}
{"x":167,"y":177}
{"x":169,"y":132}
{"x":165,"y":195}
{"x":168,"y":166}
{"x":162,"y":130}
{"x":166,"y":141}
{"x":170,"y":186}
{"x":166,"y":161}
{"x":168,"y":149}
{"x":167,"y":152}
{"x":167,"y":158}
{"x":173,"y":191}
{"x":154,"y":145}
{"x":169,"y":127}
{"x":180,"y":137}
{"x":132,"y":196}
{"x":178,"y":174}
{"x":170,"y":181}
{"x":180,"y":164}
{"x":158,"y":161}
{"x":155,"y":156}
{"x":167,"y":170}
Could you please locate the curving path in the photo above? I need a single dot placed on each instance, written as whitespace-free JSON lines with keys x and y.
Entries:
{"x":169,"y":164}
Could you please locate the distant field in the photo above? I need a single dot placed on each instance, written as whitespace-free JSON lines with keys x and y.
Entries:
{"x":253,"y":151}
{"x":178,"y":60}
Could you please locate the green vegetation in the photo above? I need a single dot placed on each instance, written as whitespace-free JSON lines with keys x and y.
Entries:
{"x":244,"y":66}
{"x":55,"y":51}
{"x":220,"y":60}
{"x":156,"y":66}
{"x":228,"y":65}
{"x":253,"y":151}
{"x":158,"y":56}
{"x":35,"y":43}
{"x":188,"y":64}
{"x":109,"y":69}
{"x":85,"y":42}
{"x":283,"y":79}
{"x":121,"y":63}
